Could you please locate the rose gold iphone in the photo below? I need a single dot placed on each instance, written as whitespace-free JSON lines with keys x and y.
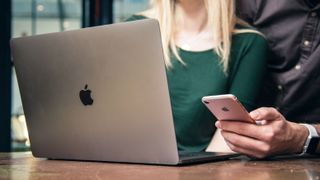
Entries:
{"x":227,"y":107}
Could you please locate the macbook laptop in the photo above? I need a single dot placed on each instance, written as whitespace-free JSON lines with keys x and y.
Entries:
{"x":100,"y":94}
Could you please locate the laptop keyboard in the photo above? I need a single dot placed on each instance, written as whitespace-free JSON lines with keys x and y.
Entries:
{"x":197,"y":157}
{"x":192,"y":154}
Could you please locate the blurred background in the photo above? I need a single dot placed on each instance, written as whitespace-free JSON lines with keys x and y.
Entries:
{"x":30,"y":17}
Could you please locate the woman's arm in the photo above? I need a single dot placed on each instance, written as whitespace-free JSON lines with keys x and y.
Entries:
{"x":248,"y":70}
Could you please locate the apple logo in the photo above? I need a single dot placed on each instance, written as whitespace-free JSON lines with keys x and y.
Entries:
{"x":225,"y":109}
{"x":85,"y":96}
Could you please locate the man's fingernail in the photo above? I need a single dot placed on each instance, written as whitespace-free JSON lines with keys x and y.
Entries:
{"x":254,"y":114}
{"x":218,"y":124}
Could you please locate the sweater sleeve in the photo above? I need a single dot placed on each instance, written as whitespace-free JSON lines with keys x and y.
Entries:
{"x":135,"y":17}
{"x":247,"y":72}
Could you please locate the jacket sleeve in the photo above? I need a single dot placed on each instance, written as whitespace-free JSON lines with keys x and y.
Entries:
{"x":246,"y":10}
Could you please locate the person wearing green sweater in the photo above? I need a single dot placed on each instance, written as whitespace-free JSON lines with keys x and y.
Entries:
{"x":208,"y":51}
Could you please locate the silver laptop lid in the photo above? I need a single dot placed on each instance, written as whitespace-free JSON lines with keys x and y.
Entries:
{"x":130,"y":119}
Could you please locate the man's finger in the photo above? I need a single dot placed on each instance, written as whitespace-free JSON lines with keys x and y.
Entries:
{"x":241,"y":150}
{"x":265,"y":113}
{"x":245,"y":129}
{"x":246,"y":145}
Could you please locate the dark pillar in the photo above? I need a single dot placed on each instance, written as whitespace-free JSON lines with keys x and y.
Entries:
{"x":33,"y":17}
{"x":97,"y":12}
{"x":5,"y":76}
{"x":61,"y":11}
{"x":106,"y":11}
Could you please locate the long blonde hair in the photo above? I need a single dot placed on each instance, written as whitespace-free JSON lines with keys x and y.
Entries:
{"x":221,"y":19}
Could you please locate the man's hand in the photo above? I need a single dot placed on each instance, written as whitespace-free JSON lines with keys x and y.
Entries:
{"x":275,"y":137}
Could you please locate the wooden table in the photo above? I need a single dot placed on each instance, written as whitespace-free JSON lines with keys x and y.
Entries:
{"x":25,"y":166}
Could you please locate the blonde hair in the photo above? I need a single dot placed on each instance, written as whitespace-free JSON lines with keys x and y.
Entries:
{"x":221,"y":19}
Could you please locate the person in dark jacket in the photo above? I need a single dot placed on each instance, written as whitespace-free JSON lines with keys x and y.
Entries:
{"x":292,"y":86}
